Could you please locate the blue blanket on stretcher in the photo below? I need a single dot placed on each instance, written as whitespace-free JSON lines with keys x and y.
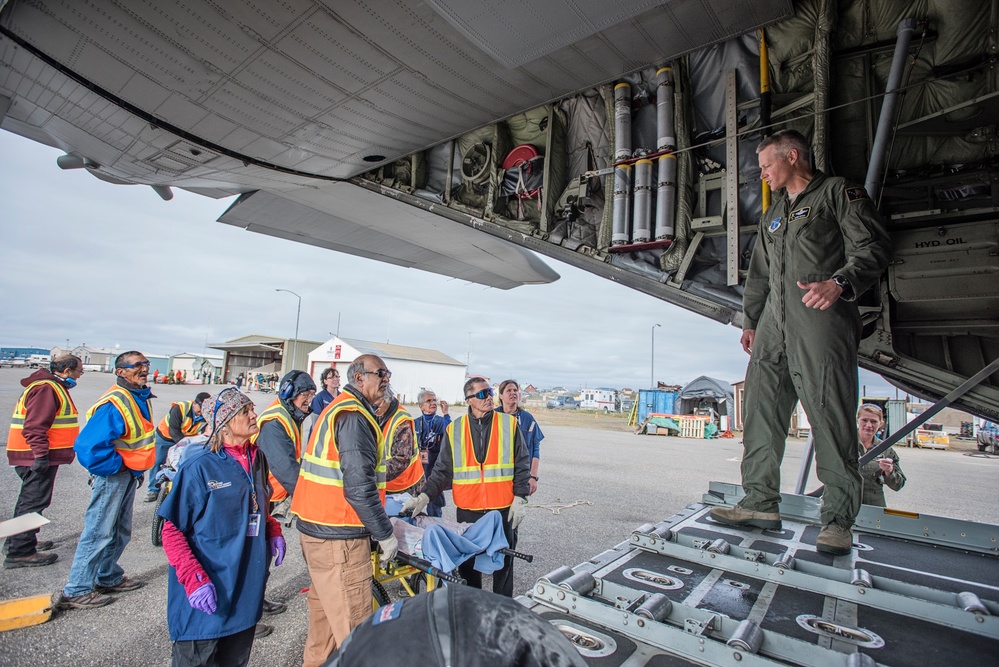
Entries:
{"x":447,"y":549}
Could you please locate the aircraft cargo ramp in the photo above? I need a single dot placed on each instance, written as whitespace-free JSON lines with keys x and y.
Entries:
{"x":915,"y":589}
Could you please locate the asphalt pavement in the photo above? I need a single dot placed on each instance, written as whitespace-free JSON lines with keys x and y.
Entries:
{"x":595,"y":487}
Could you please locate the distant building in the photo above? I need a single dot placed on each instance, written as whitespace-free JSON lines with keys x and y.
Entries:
{"x":192,"y":363}
{"x":21,"y":352}
{"x":263,"y":354}
{"x":96,"y":358}
{"x":158,"y":362}
{"x":413,"y":368}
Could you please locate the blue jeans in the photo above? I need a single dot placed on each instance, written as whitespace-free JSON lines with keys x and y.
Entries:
{"x":162,"y":447}
{"x":435,"y":510}
{"x":107,"y":528}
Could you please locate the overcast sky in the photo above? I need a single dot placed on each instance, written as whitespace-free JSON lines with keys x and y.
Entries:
{"x":113,"y":265}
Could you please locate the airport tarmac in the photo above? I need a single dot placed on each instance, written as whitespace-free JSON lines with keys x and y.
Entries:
{"x":595,"y":487}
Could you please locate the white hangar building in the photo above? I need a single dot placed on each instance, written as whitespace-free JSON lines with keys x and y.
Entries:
{"x":413,"y":368}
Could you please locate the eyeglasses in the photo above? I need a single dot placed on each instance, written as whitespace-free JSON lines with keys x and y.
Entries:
{"x":382,"y":373}
{"x":481,"y":394}
{"x":137,"y":364}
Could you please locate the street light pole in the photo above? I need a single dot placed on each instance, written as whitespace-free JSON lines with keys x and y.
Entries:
{"x":294,"y":348}
{"x":652,"y":379}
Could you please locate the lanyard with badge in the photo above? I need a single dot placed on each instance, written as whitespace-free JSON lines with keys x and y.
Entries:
{"x":253,"y":525}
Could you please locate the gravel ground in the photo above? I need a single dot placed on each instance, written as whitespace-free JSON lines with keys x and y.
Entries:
{"x":596,"y":486}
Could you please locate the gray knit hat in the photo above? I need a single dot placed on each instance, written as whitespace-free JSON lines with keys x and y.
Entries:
{"x":223,"y":407}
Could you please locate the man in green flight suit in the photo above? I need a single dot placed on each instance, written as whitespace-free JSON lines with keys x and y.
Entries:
{"x":821,"y":244}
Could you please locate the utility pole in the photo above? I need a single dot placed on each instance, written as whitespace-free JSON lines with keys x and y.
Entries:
{"x":652,"y":379}
{"x":294,"y":354}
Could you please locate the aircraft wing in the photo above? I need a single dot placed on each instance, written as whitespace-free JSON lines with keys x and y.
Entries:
{"x":346,"y":218}
{"x":277,"y":98}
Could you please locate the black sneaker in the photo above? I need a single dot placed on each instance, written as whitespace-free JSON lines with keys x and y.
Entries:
{"x":91,"y":600}
{"x":122,"y":586}
{"x":44,"y":545}
{"x":262,"y":630}
{"x":34,"y":560}
{"x":151,"y":496}
{"x":272,"y":608}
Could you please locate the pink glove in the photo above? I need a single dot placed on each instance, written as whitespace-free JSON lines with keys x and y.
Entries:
{"x":203,"y":598}
{"x":278,"y":548}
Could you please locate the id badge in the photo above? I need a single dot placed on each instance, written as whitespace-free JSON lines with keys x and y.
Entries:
{"x":424,"y":457}
{"x":253,"y":527}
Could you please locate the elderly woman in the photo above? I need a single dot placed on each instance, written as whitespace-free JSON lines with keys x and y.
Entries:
{"x":882,"y":471}
{"x":509,"y":394}
{"x":218,"y":537}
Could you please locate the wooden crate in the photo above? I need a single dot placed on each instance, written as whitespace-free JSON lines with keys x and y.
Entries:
{"x":692,"y":427}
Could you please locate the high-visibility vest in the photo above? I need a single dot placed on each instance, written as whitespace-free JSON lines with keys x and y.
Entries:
{"x":65,"y":427}
{"x":277,"y":412}
{"x":488,"y":484}
{"x":136,"y":446}
{"x":319,"y":496}
{"x":187,"y":425}
{"x":414,"y":471}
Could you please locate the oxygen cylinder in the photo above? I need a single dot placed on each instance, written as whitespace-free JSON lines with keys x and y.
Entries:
{"x":622,"y":121}
{"x":664,"y":110}
{"x":642,"y":227}
{"x":622,"y":196}
{"x":666,"y":198}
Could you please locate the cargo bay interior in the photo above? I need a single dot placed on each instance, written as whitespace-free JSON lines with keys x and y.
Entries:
{"x":652,"y":179}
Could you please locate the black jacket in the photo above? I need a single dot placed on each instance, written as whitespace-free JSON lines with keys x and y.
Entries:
{"x":443,"y":471}
{"x":357,"y":443}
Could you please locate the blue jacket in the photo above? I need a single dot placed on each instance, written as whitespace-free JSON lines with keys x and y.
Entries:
{"x":531,"y":431}
{"x":210,"y":502}
{"x":93,"y":446}
{"x":430,"y":434}
{"x":320,"y":401}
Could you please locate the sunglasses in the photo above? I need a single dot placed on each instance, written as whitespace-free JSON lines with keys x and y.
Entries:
{"x":382,"y":373}
{"x":872,"y":408}
{"x":137,"y":364}
{"x":481,"y":394}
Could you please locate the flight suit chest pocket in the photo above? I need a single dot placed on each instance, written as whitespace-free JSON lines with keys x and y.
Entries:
{"x":816,"y":242}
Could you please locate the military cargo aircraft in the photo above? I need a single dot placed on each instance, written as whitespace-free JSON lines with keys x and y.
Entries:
{"x":619,"y":137}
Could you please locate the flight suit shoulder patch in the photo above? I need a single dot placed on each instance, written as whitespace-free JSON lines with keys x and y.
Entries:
{"x":856,"y":194}
{"x":800,"y":214}
{"x":774,"y":225}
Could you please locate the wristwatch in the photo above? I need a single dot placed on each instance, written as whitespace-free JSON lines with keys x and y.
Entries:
{"x":534,"y":477}
{"x":844,"y":285}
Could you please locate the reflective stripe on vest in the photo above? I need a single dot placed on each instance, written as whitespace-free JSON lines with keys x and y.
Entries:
{"x":187,"y":425}
{"x":485,"y":485}
{"x":319,"y":496}
{"x":277,"y":412}
{"x":136,"y":446}
{"x":414,"y":471}
{"x":64,"y":429}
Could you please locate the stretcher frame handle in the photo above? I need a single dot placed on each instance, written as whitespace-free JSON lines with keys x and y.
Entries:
{"x":425,"y":566}
{"x":517,"y":554}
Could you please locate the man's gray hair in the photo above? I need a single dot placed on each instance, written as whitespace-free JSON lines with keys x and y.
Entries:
{"x":472,"y":381}
{"x":356,"y":366}
{"x":423,"y":394}
{"x":785,"y":140}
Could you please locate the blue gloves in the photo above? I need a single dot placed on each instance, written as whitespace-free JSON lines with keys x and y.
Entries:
{"x":278,"y":548}
{"x":203,"y":598}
